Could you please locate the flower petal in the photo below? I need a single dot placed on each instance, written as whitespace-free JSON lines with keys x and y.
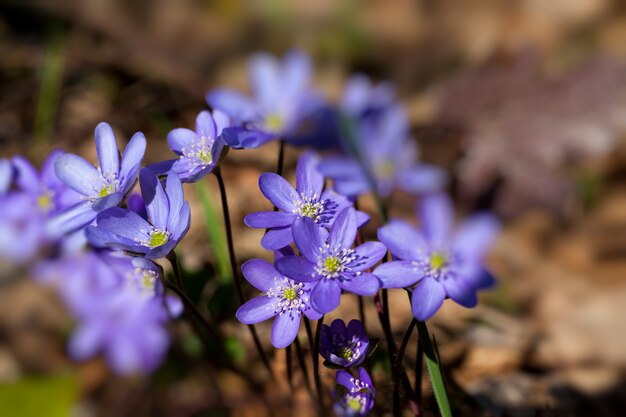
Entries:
{"x":403,"y":240}
{"x":241,"y":138}
{"x":460,"y":292}
{"x":26,"y":178}
{"x":70,"y":220}
{"x":310,"y":238}
{"x":131,"y":161}
{"x":427,"y":297}
{"x":233,"y":103}
{"x":308,"y":179}
{"x":297,"y":268}
{"x":275,"y":239}
{"x":436,"y":214}
{"x":345,"y":379}
{"x":205,"y":125}
{"x":422,"y":179}
{"x":124,"y":223}
{"x":398,"y":274}
{"x":363,"y":284}
{"x":106,"y":147}
{"x":276,"y":189}
{"x":367,"y":255}
{"x":261,"y":274}
{"x":221,"y":120}
{"x":325,"y":295}
{"x":78,"y":174}
{"x":268,"y":219}
{"x":154,"y":196}
{"x":475,"y":236}
{"x":264,"y":79}
{"x":285,"y":328}
{"x":297,"y":73}
{"x":256,"y":310}
{"x":181,"y":138}
{"x":344,"y":229}
{"x":175,"y":198}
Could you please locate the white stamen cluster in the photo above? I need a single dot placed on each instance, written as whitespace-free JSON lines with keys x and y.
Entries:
{"x":348,"y":350}
{"x":157,"y":237}
{"x":359,"y":387}
{"x":310,"y":207}
{"x":356,"y":402}
{"x":199,"y":153}
{"x":143,"y":280}
{"x":436,"y":265}
{"x":288,"y":295}
{"x":110,"y":185}
{"x":333,"y":262}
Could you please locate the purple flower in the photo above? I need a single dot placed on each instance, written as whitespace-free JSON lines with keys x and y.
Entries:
{"x":443,"y":262}
{"x":361,"y":97}
{"x":306,"y":200}
{"x":382,"y":157}
{"x":344,"y":346}
{"x":119,"y":305}
{"x":154,"y":237}
{"x":101,"y":187}
{"x":281,"y":101}
{"x":330,"y":262}
{"x":6,"y":176}
{"x":200,"y":151}
{"x":359,"y":400}
{"x":282,"y":298}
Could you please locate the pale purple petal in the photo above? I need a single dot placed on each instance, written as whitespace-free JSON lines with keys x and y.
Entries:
{"x":310,"y":238}
{"x":460,"y":292}
{"x":154,"y":196}
{"x":345,"y":379}
{"x":256,"y":310}
{"x":78,"y":174}
{"x":276,"y":189}
{"x":326,"y":295}
{"x":234,"y":104}
{"x":398,"y":274}
{"x":175,"y":198}
{"x":363,"y":284}
{"x":436,"y":214}
{"x":403,"y":240}
{"x":106,"y":147}
{"x":181,"y":138}
{"x":285,"y":328}
{"x":422,"y":179}
{"x":26,"y":177}
{"x":205,"y":125}
{"x":427,"y":297}
{"x":297,"y":73}
{"x":265,"y":79}
{"x":221,"y":120}
{"x":70,"y":220}
{"x":267,"y":219}
{"x":475,"y":236}
{"x":297,"y":268}
{"x":344,"y":229}
{"x":308,"y":180}
{"x":278,"y":238}
{"x":367,"y":255}
{"x":124,"y":223}
{"x":131,"y":161}
{"x":261,"y":274}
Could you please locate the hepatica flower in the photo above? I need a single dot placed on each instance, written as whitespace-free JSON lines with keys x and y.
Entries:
{"x":359,"y":400}
{"x":101,"y":187}
{"x":198,"y":151}
{"x":281,"y":100}
{"x":155,"y":236}
{"x":381,"y":157}
{"x":307,"y":200}
{"x":344,"y":346}
{"x":329,"y":261}
{"x":440,"y":261}
{"x":282,"y":298}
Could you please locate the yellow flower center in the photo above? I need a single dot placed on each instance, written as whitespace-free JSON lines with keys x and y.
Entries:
{"x":308,"y":210}
{"x":290,"y":294}
{"x":274,"y":122}
{"x":345,"y":353}
{"x":44,"y":201}
{"x":158,"y":238}
{"x":106,"y":190}
{"x":438,"y":260}
{"x":205,"y":156}
{"x":332,"y":264}
{"x":147,"y":281}
{"x":386,"y":169}
{"x":354,"y":403}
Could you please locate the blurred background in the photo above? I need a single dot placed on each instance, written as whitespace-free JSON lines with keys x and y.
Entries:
{"x":523,"y":102}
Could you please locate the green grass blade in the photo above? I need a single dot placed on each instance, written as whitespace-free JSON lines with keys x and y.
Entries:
{"x":215,"y":232}
{"x":434,"y":370}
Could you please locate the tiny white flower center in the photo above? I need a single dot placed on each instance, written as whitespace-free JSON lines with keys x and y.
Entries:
{"x":199,"y":152}
{"x":333,"y":262}
{"x":310,"y":207}
{"x":289,"y":295}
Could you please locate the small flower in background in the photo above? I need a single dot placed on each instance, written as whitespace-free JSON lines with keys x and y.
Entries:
{"x":307,"y":200}
{"x":155,"y":237}
{"x":200,"y":151}
{"x":359,"y":400}
{"x":282,"y":99}
{"x":382,"y":156}
{"x":22,"y":229}
{"x":282,"y":298}
{"x":330,"y":262}
{"x":101,"y":187}
{"x":362,"y":98}
{"x":344,"y":346}
{"x":443,"y":262}
{"x":121,"y":310}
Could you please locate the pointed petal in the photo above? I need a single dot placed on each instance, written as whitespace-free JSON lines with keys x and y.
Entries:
{"x":180,"y":138}
{"x":155,"y":198}
{"x":285,"y":328}
{"x":276,"y":189}
{"x":476,"y":236}
{"x":297,"y":268}
{"x":427,"y":297}
{"x":398,"y":274}
{"x":403,"y":240}
{"x":310,"y":238}
{"x":175,"y":198}
{"x":275,"y":239}
{"x":106,"y":147}
{"x":131,"y":161}
{"x":256,"y":310}
{"x":308,"y":180}
{"x":261,"y":274}
{"x":436,"y":214}
{"x":78,"y":174}
{"x":325,"y":296}
{"x":205,"y":125}
{"x":344,"y":229}
{"x":460,"y":292}
{"x":363,"y":284}
{"x":268,"y":219}
{"x":367,"y":255}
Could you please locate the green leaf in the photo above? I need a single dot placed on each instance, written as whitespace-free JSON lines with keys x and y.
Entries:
{"x":215,"y":232}
{"x":433,"y":364}
{"x":42,"y":396}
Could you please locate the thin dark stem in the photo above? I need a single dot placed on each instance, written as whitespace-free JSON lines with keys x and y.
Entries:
{"x":362,"y":311}
{"x":176,"y":267}
{"x":289,"y":364}
{"x":303,"y":367}
{"x":309,"y":334}
{"x":397,"y":369}
{"x":233,"y":266}
{"x":281,"y":158}
{"x":316,"y":363}
{"x":419,"y":366}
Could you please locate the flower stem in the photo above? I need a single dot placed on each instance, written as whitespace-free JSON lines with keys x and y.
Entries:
{"x":303,"y":367}
{"x":176,"y":267}
{"x":397,"y":369}
{"x":233,"y":266}
{"x":316,"y":363}
{"x":281,"y":158}
{"x":289,"y":364}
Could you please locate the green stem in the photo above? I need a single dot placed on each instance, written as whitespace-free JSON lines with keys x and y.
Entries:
{"x":433,"y":365}
{"x":397,"y":369}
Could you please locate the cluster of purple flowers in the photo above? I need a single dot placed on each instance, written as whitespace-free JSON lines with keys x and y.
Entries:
{"x":97,"y":242}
